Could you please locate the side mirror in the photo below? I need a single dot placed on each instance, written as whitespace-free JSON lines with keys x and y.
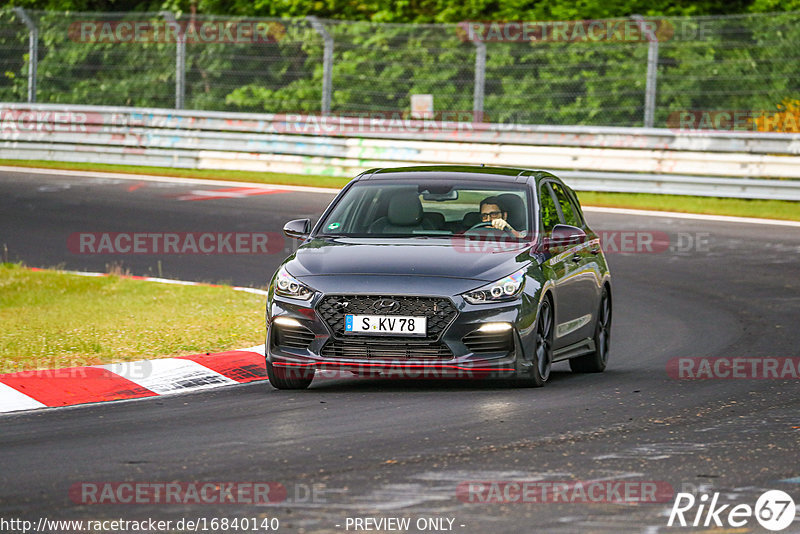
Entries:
{"x":564,"y":235}
{"x":298,"y":228}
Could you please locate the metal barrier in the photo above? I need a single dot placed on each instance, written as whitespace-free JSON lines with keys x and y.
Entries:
{"x":725,"y":164}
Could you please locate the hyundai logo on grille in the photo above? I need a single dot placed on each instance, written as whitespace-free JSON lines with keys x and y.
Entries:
{"x":386,"y":305}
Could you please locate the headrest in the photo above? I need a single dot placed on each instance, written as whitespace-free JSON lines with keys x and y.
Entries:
{"x":435,"y":218}
{"x":405,"y":209}
{"x":515,"y":207}
{"x":471,"y":219}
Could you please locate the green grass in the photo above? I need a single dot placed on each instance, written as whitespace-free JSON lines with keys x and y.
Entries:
{"x":53,"y":320}
{"x":208,"y":174}
{"x":768,"y":209}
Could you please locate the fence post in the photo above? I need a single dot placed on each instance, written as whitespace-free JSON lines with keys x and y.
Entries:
{"x":652,"y":70}
{"x":33,"y":52}
{"x":327,"y":62}
{"x":180,"y":59}
{"x":480,"y":80}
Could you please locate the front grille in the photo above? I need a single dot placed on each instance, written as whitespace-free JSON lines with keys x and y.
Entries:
{"x":484,"y":342}
{"x":439,"y":311}
{"x":389,"y":351}
{"x":293,"y":337}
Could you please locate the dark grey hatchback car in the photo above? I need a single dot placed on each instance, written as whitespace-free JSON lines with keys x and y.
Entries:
{"x":442,"y":271}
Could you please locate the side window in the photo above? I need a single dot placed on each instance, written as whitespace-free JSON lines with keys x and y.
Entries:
{"x":547,"y":209}
{"x":576,"y":206}
{"x":571,"y":216}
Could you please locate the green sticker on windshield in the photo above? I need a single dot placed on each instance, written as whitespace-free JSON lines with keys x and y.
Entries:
{"x":333,"y":226}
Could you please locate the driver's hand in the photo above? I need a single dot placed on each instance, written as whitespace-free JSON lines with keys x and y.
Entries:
{"x":501,"y":224}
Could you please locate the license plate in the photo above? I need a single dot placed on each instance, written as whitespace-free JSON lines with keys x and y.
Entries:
{"x":385,"y":324}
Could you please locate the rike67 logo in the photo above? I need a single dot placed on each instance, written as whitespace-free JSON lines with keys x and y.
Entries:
{"x":774,"y":511}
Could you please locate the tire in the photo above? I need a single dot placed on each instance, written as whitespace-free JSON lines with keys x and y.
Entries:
{"x":596,"y":361}
{"x":283,"y":378}
{"x":539,"y":372}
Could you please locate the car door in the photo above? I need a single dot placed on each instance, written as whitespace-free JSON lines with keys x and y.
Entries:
{"x":559,"y":264}
{"x":578,"y":286}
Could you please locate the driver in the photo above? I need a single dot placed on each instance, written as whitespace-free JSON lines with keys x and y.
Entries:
{"x":493,"y":212}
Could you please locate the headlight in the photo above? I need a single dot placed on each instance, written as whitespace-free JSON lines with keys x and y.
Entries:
{"x":287,"y":285}
{"x":507,"y":288}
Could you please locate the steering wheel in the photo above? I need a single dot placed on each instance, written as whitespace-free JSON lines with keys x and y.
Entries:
{"x":487,"y":225}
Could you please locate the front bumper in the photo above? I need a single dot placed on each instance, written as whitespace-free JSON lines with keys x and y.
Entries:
{"x":454,"y":348}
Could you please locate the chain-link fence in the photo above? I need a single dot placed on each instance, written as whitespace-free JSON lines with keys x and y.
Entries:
{"x":622,"y":72}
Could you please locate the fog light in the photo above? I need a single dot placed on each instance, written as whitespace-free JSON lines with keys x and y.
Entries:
{"x":286,"y":321}
{"x":495,"y":327}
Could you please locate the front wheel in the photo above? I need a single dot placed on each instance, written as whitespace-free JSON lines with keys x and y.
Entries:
{"x":596,"y":361}
{"x":289,"y":378}
{"x":539,"y":371}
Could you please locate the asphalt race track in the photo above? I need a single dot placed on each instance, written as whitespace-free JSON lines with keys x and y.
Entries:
{"x":401,"y":448}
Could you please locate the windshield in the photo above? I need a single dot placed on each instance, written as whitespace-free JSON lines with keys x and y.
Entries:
{"x":396,"y":209}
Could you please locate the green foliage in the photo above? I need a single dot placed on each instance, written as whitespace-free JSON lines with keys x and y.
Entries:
{"x":426,"y":11}
{"x":742,"y":62}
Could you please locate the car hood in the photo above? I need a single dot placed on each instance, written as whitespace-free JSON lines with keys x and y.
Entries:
{"x":430,"y":257}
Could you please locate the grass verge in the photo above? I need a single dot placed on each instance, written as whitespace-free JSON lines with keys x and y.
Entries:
{"x":53,"y":319}
{"x":208,"y":174}
{"x":767,"y":209}
{"x":737,"y":207}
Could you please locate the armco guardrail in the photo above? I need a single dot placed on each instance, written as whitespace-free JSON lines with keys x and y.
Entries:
{"x":727,"y":164}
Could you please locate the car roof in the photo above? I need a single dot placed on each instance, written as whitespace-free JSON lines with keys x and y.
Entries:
{"x":455,"y":172}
